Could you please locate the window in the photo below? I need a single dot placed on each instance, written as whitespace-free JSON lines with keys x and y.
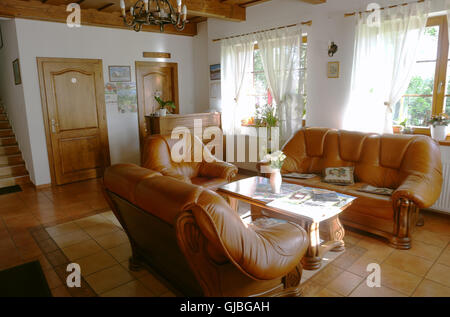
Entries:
{"x":427,"y":94}
{"x":258,"y":90}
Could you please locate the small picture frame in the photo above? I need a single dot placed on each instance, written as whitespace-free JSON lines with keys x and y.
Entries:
{"x":214,"y":71}
{"x":119,"y":74}
{"x":333,"y":70}
{"x":16,"y":70}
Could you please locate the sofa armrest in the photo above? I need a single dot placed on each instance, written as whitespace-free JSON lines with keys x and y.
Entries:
{"x":174,"y":174}
{"x":422,"y":190}
{"x":218,"y":169}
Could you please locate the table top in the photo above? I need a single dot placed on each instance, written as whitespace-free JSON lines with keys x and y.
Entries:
{"x":258,"y":191}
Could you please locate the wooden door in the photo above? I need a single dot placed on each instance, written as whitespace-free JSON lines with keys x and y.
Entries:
{"x":73,"y":102}
{"x":154,"y":79}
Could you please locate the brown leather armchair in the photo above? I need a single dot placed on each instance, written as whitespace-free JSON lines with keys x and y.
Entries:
{"x":411,"y":165}
{"x":193,"y":238}
{"x":157,"y":157}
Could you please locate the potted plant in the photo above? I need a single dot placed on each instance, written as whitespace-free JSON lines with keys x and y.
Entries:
{"x":276,"y":162}
{"x":438,"y":126}
{"x":163,"y":106}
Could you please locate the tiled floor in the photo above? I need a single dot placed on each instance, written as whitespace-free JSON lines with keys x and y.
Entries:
{"x":102,"y":249}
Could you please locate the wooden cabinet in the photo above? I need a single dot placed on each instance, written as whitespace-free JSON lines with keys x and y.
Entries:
{"x":165,"y":125}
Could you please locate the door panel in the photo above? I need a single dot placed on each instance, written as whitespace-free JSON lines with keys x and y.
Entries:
{"x":155,"y":79}
{"x":74,"y":115}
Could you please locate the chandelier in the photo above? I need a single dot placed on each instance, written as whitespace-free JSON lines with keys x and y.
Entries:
{"x":154,"y":12}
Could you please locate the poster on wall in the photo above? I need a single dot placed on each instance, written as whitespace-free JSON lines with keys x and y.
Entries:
{"x":121,"y":96}
{"x":214,"y":71}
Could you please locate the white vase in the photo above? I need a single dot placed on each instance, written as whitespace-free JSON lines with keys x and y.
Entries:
{"x":439,"y":132}
{"x":162,"y":112}
{"x":275,"y":180}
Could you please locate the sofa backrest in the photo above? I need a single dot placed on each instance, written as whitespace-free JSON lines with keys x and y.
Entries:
{"x":379,"y":160}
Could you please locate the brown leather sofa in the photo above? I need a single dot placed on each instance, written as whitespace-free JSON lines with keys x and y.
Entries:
{"x":192,"y":237}
{"x":411,"y":165}
{"x":157,"y":157}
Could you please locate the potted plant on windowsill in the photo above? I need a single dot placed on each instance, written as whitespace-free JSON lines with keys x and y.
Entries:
{"x":163,"y":105}
{"x":438,"y":126}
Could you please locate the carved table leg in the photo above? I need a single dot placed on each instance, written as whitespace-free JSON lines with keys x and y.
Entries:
{"x":312,"y":259}
{"x":336,"y":233}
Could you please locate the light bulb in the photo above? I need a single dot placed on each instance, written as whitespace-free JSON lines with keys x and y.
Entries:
{"x":146,"y":5}
{"x":184,"y":11}
{"x":122,"y":7}
{"x":179,"y":3}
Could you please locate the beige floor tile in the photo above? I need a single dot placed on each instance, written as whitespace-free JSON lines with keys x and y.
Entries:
{"x":364,"y":291}
{"x":409,"y":263}
{"x":96,"y":262}
{"x":108,"y":279}
{"x":91,"y":221}
{"x":112,"y":239}
{"x":81,"y":249}
{"x":101,"y":229}
{"x":310,"y":288}
{"x":329,"y":273}
{"x":121,"y":252}
{"x":375,"y":249}
{"x":431,"y":289}
{"x":327,"y":293}
{"x":445,"y":257}
{"x":60,"y":291}
{"x":71,"y":238}
{"x":433,"y":238}
{"x":131,"y":289}
{"x":359,"y":267}
{"x":424,"y":250}
{"x":61,"y":229}
{"x":345,"y":283}
{"x":398,"y":280}
{"x":440,"y":273}
{"x":153,"y":284}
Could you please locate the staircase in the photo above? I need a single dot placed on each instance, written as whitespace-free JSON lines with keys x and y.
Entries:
{"x":12,"y":167}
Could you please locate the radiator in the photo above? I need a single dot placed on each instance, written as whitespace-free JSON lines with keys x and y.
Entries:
{"x":443,"y":203}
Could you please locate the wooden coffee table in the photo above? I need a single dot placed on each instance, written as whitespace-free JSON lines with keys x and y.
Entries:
{"x":257,"y":192}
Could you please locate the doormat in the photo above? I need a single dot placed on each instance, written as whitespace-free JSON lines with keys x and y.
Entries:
{"x":10,"y":190}
{"x":26,"y":280}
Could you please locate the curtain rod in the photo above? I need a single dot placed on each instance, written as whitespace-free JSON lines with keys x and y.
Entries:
{"x":389,"y":7}
{"x":277,"y":28}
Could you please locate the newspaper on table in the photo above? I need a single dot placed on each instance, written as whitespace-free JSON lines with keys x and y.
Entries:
{"x":314,"y":203}
{"x":299,"y":175}
{"x":376,"y":190}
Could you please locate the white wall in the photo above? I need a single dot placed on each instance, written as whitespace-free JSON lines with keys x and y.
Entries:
{"x":11,"y":94}
{"x":114,"y":47}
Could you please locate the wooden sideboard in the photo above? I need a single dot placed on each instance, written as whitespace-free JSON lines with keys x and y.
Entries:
{"x":165,"y":125}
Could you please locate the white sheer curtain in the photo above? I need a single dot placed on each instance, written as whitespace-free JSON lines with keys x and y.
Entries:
{"x":280,"y":52}
{"x":236,"y":63}
{"x":384,"y":56}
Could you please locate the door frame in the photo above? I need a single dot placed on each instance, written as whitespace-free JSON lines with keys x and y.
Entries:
{"x":103,"y":124}
{"x":141,"y":116}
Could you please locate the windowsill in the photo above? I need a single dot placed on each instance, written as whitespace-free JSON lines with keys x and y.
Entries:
{"x":424,"y":131}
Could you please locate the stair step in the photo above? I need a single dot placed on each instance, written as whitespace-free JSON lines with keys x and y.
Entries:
{"x":10,"y":160}
{"x":16,"y":180}
{"x":15,"y":170}
{"x":4,"y":125}
{"x":8,"y":141}
{"x":9,"y":150}
{"x":3,"y":117}
{"x":6,"y":132}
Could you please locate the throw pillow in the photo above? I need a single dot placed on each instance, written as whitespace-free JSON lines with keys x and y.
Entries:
{"x":339,"y":175}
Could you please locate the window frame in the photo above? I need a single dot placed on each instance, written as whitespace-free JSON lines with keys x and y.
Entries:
{"x":440,"y":77}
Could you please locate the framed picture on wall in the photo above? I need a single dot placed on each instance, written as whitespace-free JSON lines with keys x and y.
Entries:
{"x":214,"y":71}
{"x":333,"y":70}
{"x":119,"y":74}
{"x":16,"y":70}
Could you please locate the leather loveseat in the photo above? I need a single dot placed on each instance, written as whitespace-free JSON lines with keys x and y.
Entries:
{"x":192,"y":237}
{"x":408,"y":164}
{"x":213,"y":174}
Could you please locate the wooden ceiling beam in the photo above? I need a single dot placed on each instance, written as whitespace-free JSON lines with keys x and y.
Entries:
{"x":36,"y":10}
{"x":314,"y":1}
{"x":215,"y":9}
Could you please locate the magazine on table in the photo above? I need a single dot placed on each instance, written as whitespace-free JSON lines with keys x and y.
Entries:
{"x":299,"y":175}
{"x":313,"y":203}
{"x":264,"y":191}
{"x":376,"y":190}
